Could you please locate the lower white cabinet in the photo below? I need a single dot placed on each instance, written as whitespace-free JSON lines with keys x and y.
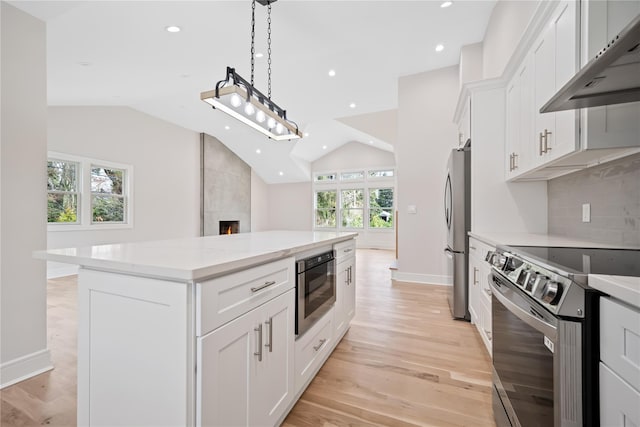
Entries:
{"x":245,"y":368}
{"x":312,"y":349}
{"x":345,"y":307}
{"x":619,"y":402}
{"x":479,"y":290}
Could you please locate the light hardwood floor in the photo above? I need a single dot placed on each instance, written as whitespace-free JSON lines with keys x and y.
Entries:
{"x":404,"y":362}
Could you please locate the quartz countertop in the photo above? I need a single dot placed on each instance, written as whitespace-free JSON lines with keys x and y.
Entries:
{"x":540,"y":239}
{"x":624,"y":288}
{"x":195,"y":258}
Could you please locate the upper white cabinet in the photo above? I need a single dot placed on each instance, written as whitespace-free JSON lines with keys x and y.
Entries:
{"x":464,"y":125}
{"x":545,"y":145}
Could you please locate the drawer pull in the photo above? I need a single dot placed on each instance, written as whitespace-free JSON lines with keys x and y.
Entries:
{"x":266,"y":285}
{"x":346,"y":251}
{"x":319,"y":346}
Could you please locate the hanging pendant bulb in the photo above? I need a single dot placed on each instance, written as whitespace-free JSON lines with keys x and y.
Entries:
{"x":260,"y":116}
{"x":279,"y":128}
{"x":271,"y":123}
{"x":235,"y":100}
{"x":249,"y":109}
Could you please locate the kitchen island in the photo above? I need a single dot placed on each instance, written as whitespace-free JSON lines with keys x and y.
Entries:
{"x":199,"y":331}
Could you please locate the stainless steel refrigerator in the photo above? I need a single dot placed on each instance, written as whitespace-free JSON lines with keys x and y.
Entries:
{"x":457,"y":212}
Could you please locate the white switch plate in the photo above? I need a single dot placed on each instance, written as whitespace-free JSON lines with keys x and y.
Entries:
{"x":411,"y":209}
{"x":586,"y":212}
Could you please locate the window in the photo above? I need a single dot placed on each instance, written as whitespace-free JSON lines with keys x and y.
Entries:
{"x":326,"y":209}
{"x":381,"y":173}
{"x":62,"y":191}
{"x":108,"y":203}
{"x":355,"y":199}
{"x":352,"y":212}
{"x":87,"y":193}
{"x":381,"y":208}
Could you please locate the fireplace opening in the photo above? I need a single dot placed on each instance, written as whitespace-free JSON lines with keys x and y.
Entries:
{"x":229,"y":227}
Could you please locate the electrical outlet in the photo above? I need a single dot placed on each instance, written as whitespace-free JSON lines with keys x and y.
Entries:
{"x":586,"y":212}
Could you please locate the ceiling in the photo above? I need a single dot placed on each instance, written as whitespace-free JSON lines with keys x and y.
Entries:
{"x":119,"y":53}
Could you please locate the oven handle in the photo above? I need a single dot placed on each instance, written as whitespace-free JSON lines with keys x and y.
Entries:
{"x":545,"y":328}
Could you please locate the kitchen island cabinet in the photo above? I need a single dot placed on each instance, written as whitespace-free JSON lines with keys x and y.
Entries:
{"x":193,"y":331}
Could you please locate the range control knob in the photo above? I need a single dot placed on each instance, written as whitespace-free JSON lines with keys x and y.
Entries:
{"x":511,"y":264}
{"x":499,"y":261}
{"x":551,"y":292}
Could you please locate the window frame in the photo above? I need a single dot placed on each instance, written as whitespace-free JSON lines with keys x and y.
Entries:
{"x":85,"y":195}
{"x":366,"y":185}
{"x":77,"y":193}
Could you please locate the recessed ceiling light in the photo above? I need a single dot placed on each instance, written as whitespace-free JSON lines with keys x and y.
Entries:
{"x":258,"y":151}
{"x":332,"y":73}
{"x":352,"y":105}
{"x":227,"y":127}
{"x":84,"y":63}
{"x":371,"y":142}
{"x":280,"y":173}
{"x":173,"y":29}
{"x":185,"y":76}
{"x":259,"y":55}
{"x":446,"y":4}
{"x":439,"y":48}
{"x":324,"y":147}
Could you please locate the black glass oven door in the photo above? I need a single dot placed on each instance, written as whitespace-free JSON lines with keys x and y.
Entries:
{"x":319,"y":287}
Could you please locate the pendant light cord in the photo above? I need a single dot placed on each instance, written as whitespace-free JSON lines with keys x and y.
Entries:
{"x":269,"y":46}
{"x":253,"y":36}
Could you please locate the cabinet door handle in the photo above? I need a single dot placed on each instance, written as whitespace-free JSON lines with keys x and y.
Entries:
{"x":259,"y":346}
{"x":546,"y":140}
{"x":460,"y":137}
{"x":269,"y":345}
{"x":475,"y":276}
{"x":472,"y":247}
{"x":488,"y":334}
{"x":350,"y":281}
{"x":511,"y":162}
{"x":266,"y":285}
{"x":320,"y":344}
{"x":541,"y":138}
{"x":515,"y":161}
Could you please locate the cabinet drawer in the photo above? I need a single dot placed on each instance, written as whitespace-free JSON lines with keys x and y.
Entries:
{"x":345,"y":249}
{"x":620,"y":340}
{"x":312,"y":349}
{"x":618,"y":400}
{"x":222,"y":299}
{"x":479,"y":249}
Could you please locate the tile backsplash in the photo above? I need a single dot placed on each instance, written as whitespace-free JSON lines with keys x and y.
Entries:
{"x":613,"y":191}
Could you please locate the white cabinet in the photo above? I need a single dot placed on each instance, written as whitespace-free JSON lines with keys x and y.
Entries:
{"x":464,"y":124}
{"x":345,"y":306}
{"x":312,"y":349}
{"x":519,"y":125}
{"x":479,"y":290}
{"x":245,"y":369}
{"x":620,"y":364}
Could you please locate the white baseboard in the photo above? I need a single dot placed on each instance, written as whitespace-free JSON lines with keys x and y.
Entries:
{"x":426,"y":279}
{"x":25,"y":367}
{"x":58,"y":269}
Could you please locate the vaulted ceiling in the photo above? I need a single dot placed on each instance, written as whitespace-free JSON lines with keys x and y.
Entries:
{"x":119,"y":53}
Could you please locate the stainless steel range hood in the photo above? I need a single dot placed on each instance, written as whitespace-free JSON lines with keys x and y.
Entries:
{"x":612,"y":77}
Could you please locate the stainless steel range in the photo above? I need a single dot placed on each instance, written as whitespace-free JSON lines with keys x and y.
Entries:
{"x":545,"y":332}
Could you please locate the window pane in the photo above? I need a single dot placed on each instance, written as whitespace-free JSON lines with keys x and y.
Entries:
{"x":61,"y":176}
{"x":352,"y":175}
{"x":381,"y":198}
{"x":62,"y":207}
{"x":326,"y":199}
{"x":105,"y":180}
{"x":352,"y":218}
{"x":380,"y":218}
{"x":326,"y":177}
{"x":352,"y":198}
{"x":381,"y":173}
{"x":107,"y":208}
{"x":325,"y":218}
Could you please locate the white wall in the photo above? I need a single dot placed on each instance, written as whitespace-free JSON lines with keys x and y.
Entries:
{"x":470,"y":66}
{"x":259,"y":203}
{"x":23,"y":178}
{"x":506,"y":26}
{"x":354,"y":156}
{"x":290,"y":206}
{"x":166,"y":170}
{"x":426,"y":135}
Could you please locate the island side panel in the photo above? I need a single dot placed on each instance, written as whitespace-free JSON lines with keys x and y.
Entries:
{"x":135,"y":350}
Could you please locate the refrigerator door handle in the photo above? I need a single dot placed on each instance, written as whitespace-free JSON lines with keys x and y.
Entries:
{"x":449,"y":252}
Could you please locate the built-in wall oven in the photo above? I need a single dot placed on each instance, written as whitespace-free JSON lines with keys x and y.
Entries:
{"x":315,"y":290}
{"x":545,"y":341}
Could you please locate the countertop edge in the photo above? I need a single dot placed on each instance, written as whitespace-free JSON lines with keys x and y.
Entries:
{"x":623,"y":288}
{"x":540,"y":239}
{"x":186,"y":275}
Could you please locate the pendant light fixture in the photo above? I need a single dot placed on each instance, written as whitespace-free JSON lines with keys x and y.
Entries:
{"x":242,"y":101}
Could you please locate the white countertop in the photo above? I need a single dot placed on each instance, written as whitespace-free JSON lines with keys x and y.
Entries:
{"x":194,"y":258}
{"x":535,"y":239}
{"x":624,"y":288}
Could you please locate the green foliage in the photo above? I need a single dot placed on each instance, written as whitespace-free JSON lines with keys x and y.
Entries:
{"x":62,"y":207}
{"x":68,"y":215}
{"x":108,"y":209}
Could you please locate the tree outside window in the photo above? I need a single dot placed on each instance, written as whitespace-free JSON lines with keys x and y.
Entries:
{"x":108,"y":203}
{"x":62,"y":192}
{"x":326,"y":209}
{"x":352,"y":208}
{"x":381,"y":208}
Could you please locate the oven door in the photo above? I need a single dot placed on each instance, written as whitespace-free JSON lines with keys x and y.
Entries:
{"x":316,"y":293}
